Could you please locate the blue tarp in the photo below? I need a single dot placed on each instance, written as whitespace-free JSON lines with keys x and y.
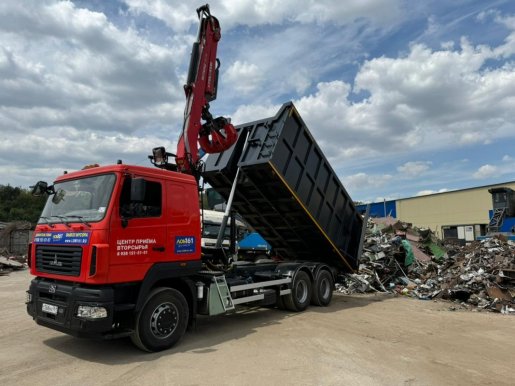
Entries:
{"x":254,"y":242}
{"x":377,"y":209}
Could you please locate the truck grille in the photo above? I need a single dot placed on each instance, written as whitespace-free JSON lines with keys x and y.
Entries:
{"x":61,"y":260}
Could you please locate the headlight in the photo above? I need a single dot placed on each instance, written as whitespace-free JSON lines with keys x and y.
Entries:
{"x":28,"y":297}
{"x":91,"y":312}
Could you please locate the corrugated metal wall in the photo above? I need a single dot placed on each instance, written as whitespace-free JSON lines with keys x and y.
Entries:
{"x":379,"y":209}
{"x":14,"y":240}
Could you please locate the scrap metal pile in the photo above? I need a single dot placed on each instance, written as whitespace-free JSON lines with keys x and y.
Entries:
{"x":398,"y":258}
{"x":11,"y":261}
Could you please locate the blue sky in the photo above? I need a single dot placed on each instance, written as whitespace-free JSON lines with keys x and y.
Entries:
{"x":404,"y":97}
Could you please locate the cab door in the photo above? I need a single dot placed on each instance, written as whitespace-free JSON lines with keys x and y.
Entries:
{"x":183,"y":227}
{"x":138,"y":230}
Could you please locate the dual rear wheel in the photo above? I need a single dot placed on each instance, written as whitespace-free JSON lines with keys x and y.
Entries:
{"x":304,"y":291}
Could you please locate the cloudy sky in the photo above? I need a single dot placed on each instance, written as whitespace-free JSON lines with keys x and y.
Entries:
{"x":404,"y":97}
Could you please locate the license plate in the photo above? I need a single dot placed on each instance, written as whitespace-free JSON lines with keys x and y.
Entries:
{"x":49,"y":308}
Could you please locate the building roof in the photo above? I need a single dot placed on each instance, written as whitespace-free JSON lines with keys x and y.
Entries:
{"x":457,"y":190}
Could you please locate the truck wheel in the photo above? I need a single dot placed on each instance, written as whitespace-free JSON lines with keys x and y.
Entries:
{"x":162,"y":320}
{"x":323,"y":291}
{"x":300,"y":296}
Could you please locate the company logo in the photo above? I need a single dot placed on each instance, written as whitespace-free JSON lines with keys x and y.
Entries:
{"x":185,"y":241}
{"x":185,"y":244}
{"x":55,"y":262}
{"x":52,"y":288}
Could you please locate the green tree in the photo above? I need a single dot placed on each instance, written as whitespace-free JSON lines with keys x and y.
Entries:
{"x":17,"y":204}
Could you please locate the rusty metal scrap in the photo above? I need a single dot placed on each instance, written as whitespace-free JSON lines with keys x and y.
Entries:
{"x":479,"y":276}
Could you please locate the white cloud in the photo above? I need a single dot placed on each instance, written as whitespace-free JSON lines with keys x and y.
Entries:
{"x":246,"y":77}
{"x":507,"y":158}
{"x":486,"y":171}
{"x":177,"y":15}
{"x":440,"y":94}
{"x":325,"y":113}
{"x":42,"y":156}
{"x":414,"y":168}
{"x":424,"y":101}
{"x":76,"y":89}
{"x":249,"y":113}
{"x":363,"y":181}
{"x":78,"y":85}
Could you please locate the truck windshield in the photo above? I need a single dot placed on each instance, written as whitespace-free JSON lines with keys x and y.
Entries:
{"x":210,"y":231}
{"x":80,"y":200}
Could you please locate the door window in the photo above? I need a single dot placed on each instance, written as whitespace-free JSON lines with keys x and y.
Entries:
{"x":150,"y":206}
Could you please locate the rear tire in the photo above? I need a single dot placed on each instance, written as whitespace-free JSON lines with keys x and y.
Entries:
{"x":300,"y":296}
{"x":323,"y":289}
{"x":162,"y":320}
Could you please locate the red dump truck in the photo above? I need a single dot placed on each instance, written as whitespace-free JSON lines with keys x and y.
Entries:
{"x":117,"y":250}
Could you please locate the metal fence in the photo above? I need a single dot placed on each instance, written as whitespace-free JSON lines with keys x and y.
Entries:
{"x":18,"y":241}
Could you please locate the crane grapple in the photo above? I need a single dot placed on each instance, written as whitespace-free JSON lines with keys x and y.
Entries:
{"x":216,"y":134}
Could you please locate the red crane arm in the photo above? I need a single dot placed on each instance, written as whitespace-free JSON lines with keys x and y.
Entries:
{"x":216,"y":134}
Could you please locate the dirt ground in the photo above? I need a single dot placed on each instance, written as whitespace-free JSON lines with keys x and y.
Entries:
{"x":358,"y":340}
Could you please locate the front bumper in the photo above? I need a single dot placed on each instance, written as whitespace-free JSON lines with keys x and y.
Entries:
{"x":67,"y":297}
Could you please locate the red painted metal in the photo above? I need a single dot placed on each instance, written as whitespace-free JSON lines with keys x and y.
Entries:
{"x":113,"y":238}
{"x":217,"y":134}
{"x":180,"y":216}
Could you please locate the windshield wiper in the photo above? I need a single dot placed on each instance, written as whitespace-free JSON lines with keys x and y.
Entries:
{"x":47,"y":222}
{"x":81,"y":219}
{"x":63,"y":219}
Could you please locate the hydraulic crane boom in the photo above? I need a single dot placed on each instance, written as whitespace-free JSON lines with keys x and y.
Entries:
{"x":216,"y":134}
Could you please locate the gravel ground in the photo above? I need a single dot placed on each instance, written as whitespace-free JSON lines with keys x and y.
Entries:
{"x":358,"y":340}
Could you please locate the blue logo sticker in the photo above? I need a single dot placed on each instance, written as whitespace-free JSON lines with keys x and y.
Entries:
{"x":62,"y":238}
{"x":184,"y":244}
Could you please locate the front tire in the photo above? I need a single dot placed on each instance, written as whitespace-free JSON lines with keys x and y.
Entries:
{"x":162,"y":321}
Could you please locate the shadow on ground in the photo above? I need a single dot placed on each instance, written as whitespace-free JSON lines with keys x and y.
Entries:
{"x":204,"y":337}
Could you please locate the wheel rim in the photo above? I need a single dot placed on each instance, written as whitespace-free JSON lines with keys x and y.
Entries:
{"x":164,"y":320}
{"x":301,"y":291}
{"x":325,"y":288}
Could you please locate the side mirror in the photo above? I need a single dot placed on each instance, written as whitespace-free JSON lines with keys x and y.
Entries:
{"x":42,"y":187}
{"x":58,"y":196}
{"x":138,"y":189}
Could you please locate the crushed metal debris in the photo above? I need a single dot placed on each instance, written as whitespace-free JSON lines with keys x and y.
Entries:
{"x":399,"y":258}
{"x":11,"y":261}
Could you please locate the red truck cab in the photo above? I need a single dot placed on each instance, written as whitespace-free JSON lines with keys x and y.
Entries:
{"x":105,"y":237}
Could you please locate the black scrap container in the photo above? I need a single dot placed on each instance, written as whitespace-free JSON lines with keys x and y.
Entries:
{"x":288,"y":192}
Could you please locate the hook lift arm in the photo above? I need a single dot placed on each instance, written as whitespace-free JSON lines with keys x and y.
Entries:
{"x":216,"y":134}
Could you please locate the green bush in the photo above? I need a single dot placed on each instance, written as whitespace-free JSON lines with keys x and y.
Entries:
{"x":17,"y":204}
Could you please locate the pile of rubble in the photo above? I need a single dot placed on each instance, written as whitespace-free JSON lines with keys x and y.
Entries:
{"x":12,"y":261}
{"x":9,"y":263}
{"x":401,"y":259}
{"x":481,"y":274}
